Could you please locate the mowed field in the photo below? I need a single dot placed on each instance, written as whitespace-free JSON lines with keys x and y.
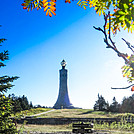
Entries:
{"x":71,"y":113}
{"x":77,"y":113}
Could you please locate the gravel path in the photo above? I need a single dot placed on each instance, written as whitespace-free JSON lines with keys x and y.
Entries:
{"x":40,"y":113}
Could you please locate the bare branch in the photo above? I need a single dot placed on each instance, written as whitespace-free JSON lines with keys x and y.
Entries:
{"x":99,"y":29}
{"x":112,"y":45}
{"x":124,"y":87}
{"x":129,"y":45}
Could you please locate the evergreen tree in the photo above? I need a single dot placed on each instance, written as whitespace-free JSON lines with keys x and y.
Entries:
{"x":20,"y":103}
{"x":127,"y":105}
{"x":6,"y":124}
{"x":16,"y":104}
{"x":31,"y":105}
{"x":24,"y":104}
{"x":114,"y":107}
{"x":101,"y":104}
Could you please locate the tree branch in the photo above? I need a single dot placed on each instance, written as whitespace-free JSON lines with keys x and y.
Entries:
{"x":129,"y":45}
{"x":123,"y":87}
{"x":112,"y":45}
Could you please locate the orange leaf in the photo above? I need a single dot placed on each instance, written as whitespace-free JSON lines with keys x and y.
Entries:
{"x":50,"y":14}
{"x":115,"y":10}
{"x":24,"y":7}
{"x":132,"y":89}
{"x":53,"y":12}
{"x":45,"y":4}
{"x":45,"y":8}
{"x":47,"y":12}
{"x":67,"y":1}
{"x":84,"y":7}
{"x":53,"y":8}
{"x":44,"y":1}
{"x":52,"y":4}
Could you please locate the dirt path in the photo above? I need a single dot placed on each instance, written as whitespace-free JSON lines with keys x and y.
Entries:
{"x":40,"y":113}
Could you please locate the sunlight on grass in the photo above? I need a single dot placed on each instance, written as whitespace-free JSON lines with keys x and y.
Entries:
{"x":32,"y":111}
{"x":76,"y":113}
{"x":121,"y":127}
{"x":46,"y":128}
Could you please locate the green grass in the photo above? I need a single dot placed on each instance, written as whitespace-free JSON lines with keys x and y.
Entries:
{"x":114,"y":128}
{"x":109,"y":129}
{"x":31,"y":111}
{"x":124,"y":115}
{"x":46,"y":128}
{"x":77,"y":113}
{"x":73,"y":113}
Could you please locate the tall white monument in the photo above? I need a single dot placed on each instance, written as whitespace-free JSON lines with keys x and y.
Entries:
{"x":63,"y":98}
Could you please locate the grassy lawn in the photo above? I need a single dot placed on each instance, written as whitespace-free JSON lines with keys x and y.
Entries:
{"x":77,"y":113}
{"x":114,"y":128}
{"x":72,"y":113}
{"x":46,"y":128}
{"x":32,"y":111}
{"x":66,"y":128}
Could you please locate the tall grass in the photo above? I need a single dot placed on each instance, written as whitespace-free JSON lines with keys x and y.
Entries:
{"x":123,"y":125}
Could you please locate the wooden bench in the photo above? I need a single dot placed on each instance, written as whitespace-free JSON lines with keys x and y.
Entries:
{"x":82,"y":128}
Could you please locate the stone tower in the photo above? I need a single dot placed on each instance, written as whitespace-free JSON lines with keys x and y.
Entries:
{"x":63,"y":98}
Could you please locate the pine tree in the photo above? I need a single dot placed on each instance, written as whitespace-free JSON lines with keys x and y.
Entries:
{"x":100,"y":104}
{"x":31,"y":105}
{"x":114,"y":107}
{"x":127,"y":105}
{"x":6,"y":124}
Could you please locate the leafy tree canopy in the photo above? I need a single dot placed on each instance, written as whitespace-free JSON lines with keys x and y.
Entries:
{"x":122,"y":11}
{"x":6,"y":124}
{"x":100,"y":104}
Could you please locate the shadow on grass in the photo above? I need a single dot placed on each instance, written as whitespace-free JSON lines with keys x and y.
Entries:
{"x":88,"y":112}
{"x":95,"y":112}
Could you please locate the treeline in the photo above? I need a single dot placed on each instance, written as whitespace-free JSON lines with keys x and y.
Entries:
{"x":127,"y":105}
{"x":20,"y":103}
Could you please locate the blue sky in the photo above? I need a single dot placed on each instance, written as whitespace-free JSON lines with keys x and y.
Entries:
{"x":37,"y":44}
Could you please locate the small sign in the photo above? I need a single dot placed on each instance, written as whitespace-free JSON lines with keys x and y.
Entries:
{"x":82,"y":131}
{"x":83,"y":125}
{"x":82,"y":128}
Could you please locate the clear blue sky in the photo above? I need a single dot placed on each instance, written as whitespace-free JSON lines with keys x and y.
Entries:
{"x":37,"y":44}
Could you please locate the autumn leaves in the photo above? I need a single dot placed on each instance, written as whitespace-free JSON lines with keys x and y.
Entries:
{"x":48,"y":5}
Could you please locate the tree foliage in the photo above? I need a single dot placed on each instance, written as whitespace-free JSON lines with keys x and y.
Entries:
{"x":128,"y":68}
{"x":100,"y":104}
{"x":122,"y":11}
{"x":20,"y":103}
{"x":114,"y":107}
{"x":126,"y":106}
{"x":6,"y":125}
